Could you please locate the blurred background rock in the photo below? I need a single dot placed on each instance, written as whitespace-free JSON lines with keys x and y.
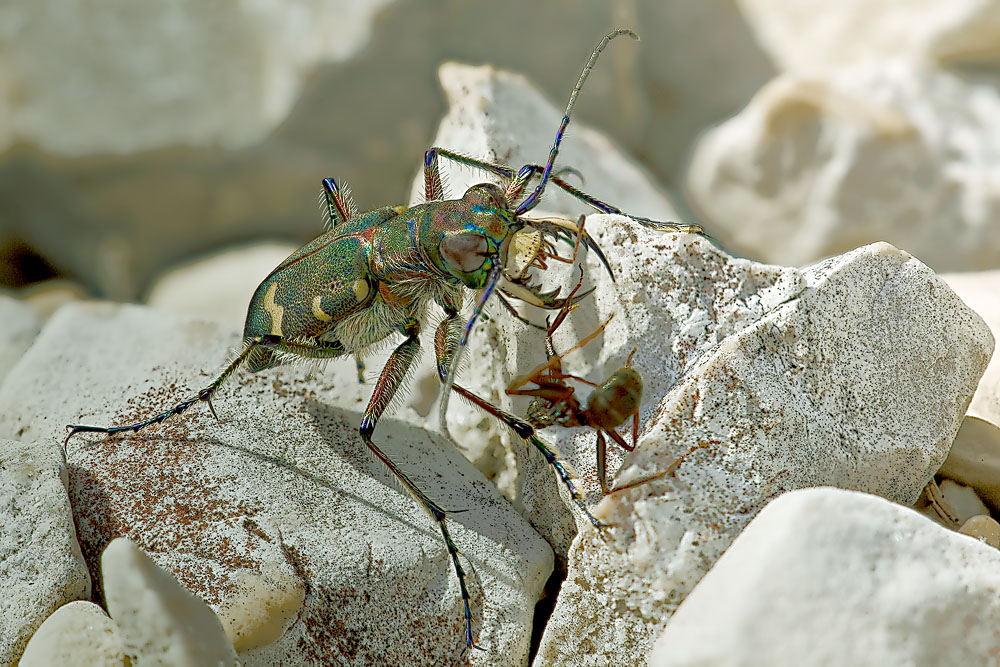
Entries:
{"x":136,"y":138}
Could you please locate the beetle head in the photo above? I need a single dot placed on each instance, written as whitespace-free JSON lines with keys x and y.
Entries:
{"x":477,"y":235}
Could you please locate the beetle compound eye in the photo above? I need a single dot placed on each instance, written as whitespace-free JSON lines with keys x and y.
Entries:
{"x":465,"y":252}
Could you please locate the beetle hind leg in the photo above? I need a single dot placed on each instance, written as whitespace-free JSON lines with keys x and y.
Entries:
{"x":205,"y":395}
{"x":393,"y":374}
{"x":254,"y":350}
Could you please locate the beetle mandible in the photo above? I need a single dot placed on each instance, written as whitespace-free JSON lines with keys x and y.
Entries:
{"x":373,"y":274}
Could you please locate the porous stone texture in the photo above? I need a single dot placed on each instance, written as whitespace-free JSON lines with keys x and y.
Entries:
{"x":979,"y":289}
{"x":78,"y":634}
{"x":816,"y":165}
{"x":217,"y":287}
{"x":20,"y":325}
{"x":283,"y":483}
{"x":855,"y":372}
{"x":160,"y":621}
{"x":831,"y":577}
{"x":41,"y":567}
{"x":812,"y":35}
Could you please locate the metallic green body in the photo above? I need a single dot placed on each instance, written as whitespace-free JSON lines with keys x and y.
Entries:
{"x":363,"y":280}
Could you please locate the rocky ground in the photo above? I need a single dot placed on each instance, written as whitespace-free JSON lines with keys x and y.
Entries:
{"x":818,"y":459}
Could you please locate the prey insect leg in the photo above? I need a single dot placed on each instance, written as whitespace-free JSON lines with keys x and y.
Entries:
{"x":392,"y":377}
{"x":446,"y":344}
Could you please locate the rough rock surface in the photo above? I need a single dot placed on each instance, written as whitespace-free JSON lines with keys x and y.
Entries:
{"x":812,"y":35}
{"x":979,"y":290}
{"x":283,"y":481}
{"x":78,"y":634}
{"x":160,"y":621}
{"x":41,"y":567}
{"x":832,"y":577}
{"x":19,"y":328}
{"x":815,"y":166}
{"x":854,"y":372}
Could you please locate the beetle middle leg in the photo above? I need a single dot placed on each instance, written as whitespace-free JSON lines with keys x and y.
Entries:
{"x":446,"y":344}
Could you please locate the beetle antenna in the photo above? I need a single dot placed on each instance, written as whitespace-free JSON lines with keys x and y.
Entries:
{"x":491,"y":282}
{"x":535,"y":196}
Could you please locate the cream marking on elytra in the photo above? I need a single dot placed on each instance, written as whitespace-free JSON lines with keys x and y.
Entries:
{"x":361,"y":290}
{"x":318,"y":310}
{"x":274,"y":310}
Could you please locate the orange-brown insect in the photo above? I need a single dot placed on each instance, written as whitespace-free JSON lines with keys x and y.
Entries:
{"x":608,"y":406}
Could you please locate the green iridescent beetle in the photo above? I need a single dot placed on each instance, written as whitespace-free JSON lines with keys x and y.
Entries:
{"x":373,"y":274}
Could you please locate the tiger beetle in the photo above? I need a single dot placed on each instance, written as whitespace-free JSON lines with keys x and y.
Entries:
{"x":554,"y":400}
{"x":373,"y":274}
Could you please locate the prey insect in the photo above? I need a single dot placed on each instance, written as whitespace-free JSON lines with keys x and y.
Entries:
{"x":374,"y":274}
{"x":609,"y":405}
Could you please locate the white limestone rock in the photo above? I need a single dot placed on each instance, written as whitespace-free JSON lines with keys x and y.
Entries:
{"x":813,"y":35}
{"x":48,"y":296}
{"x":78,"y":634}
{"x":264,"y":605}
{"x":218,"y":287}
{"x":832,"y":577}
{"x":283,"y":481}
{"x":815,"y":166}
{"x":855,"y":372}
{"x":979,"y":289}
{"x":19,"y":327}
{"x":984,"y":528}
{"x":160,"y":621}
{"x":41,"y":567}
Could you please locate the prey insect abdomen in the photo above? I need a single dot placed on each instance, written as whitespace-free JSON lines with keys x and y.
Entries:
{"x":617,"y":399}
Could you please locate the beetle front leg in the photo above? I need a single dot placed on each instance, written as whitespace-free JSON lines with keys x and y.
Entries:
{"x":392,"y":377}
{"x":446,"y":344}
